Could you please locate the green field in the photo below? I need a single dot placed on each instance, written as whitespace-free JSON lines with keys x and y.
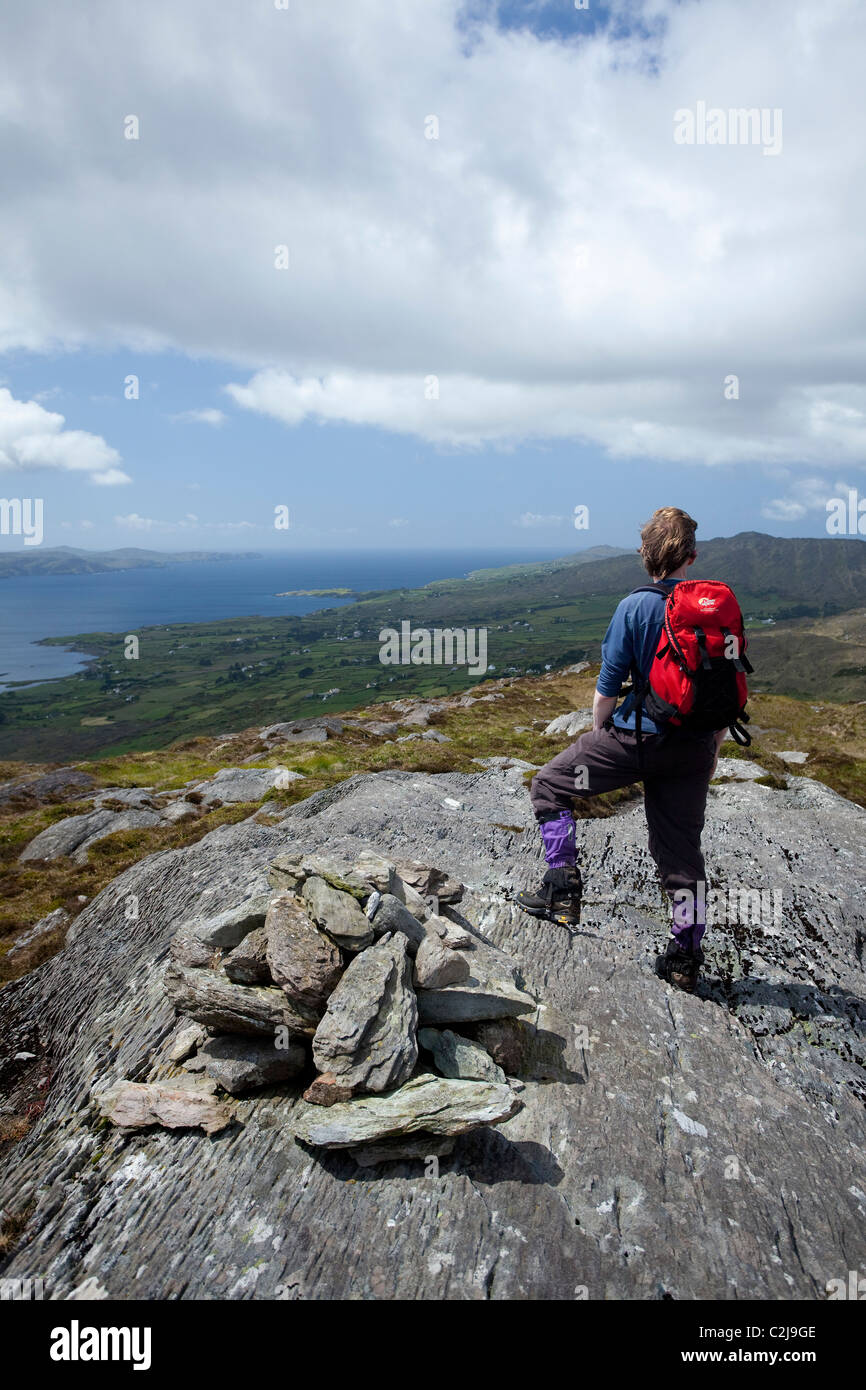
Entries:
{"x":206,"y":678}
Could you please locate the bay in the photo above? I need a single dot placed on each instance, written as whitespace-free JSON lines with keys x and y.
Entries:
{"x":60,"y":605}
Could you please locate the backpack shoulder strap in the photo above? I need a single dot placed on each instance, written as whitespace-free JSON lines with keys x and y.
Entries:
{"x":651,"y":589}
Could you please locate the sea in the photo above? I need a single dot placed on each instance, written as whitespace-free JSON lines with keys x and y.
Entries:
{"x":60,"y":605}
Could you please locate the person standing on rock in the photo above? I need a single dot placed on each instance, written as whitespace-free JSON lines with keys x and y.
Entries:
{"x":681,"y":642}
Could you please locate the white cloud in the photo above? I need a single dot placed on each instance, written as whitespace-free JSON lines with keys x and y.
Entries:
{"x":32,"y":438}
{"x":202,"y":417}
{"x":133,"y":522}
{"x":555,"y":258}
{"x":110,"y":477}
{"x":398,"y":521}
{"x":805,"y":495}
{"x":534,"y":519}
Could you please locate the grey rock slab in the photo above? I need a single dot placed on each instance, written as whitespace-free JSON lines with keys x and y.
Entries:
{"x":302,"y":730}
{"x":285,"y":872}
{"x":337,"y":874}
{"x":367,"y":1037}
{"x":791,"y":755}
{"x":134,"y":798}
{"x":417,"y":905}
{"x":123,"y":820}
{"x":503,"y":764}
{"x":187,"y":948}
{"x":63,"y":784}
{"x":426,"y":879}
{"x":598,"y":1143}
{"x":67,"y":836}
{"x":185,"y":1042}
{"x":420,"y":715}
{"x":438,"y":965}
{"x":138,"y":1105}
{"x":228,"y":928}
{"x":458,"y":1057}
{"x":378,"y":872}
{"x":392,"y":915}
{"x":338,"y":914}
{"x":739,"y":770}
{"x":245,"y":1064}
{"x":238,"y":784}
{"x":302,"y":959}
{"x":210,"y":998}
{"x":248,"y":964}
{"x":177,"y":811}
{"x":54,"y":921}
{"x":380,"y":728}
{"x":428,"y":1103}
{"x":292,"y":868}
{"x":317,"y":734}
{"x":569,"y":725}
{"x":450,"y":934}
{"x":468,"y":1002}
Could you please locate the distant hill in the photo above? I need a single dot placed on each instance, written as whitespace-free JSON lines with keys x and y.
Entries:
{"x":580,"y":557}
{"x":782,"y":577}
{"x":65,"y":559}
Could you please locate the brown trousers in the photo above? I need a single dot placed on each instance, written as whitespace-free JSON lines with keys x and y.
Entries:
{"x":675,"y":774}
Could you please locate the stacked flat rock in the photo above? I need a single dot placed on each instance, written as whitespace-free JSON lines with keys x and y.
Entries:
{"x":322,"y":980}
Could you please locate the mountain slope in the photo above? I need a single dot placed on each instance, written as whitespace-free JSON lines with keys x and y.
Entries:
{"x":63,"y":559}
{"x":669,"y":1147}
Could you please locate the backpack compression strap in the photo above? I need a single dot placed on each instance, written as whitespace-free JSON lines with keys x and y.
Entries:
{"x":639,"y":686}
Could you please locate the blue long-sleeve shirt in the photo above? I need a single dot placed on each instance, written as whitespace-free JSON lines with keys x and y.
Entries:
{"x":631,"y":640}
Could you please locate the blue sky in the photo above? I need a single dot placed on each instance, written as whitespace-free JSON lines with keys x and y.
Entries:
{"x":509,"y":290}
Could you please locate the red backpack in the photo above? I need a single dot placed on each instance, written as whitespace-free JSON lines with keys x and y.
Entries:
{"x":698,"y":676}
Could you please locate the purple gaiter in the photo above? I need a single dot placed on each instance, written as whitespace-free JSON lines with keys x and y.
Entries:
{"x":558,"y":837}
{"x":688,"y":925}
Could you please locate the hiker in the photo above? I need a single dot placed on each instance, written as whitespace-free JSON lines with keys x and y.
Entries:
{"x":682,"y":644}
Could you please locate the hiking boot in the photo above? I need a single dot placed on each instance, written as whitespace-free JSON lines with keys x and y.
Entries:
{"x":680,"y":968}
{"x":557,"y":899}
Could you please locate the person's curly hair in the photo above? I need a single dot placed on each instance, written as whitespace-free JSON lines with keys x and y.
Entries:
{"x":667,"y":541}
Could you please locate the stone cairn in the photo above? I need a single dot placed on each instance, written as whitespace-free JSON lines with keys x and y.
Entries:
{"x":345,"y":978}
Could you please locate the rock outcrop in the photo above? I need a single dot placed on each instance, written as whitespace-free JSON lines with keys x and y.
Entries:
{"x":301,"y":959}
{"x":667,"y":1146}
{"x":367,"y":1038}
{"x":427,"y":1103}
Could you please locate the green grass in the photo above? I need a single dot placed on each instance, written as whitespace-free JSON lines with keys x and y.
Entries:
{"x":833,"y":736}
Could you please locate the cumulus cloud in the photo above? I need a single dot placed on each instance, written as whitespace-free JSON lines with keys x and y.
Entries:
{"x":32,"y":437}
{"x":559,"y":263}
{"x":805,"y":495}
{"x":208,"y":416}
